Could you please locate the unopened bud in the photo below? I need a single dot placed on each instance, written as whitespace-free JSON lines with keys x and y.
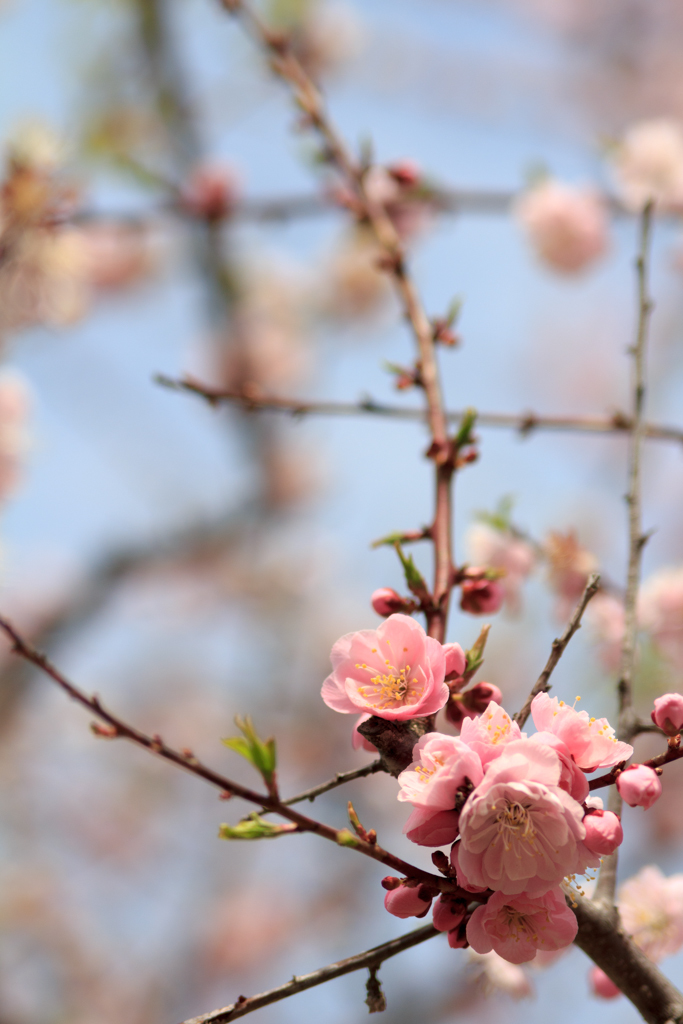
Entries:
{"x":668,"y":713}
{"x":639,"y":786}
{"x":390,"y":882}
{"x":405,"y":172}
{"x":386,"y":601}
{"x":481,"y":597}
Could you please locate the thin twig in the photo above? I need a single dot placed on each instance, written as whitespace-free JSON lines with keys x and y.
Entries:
{"x":339,"y":780}
{"x":558,"y":647}
{"x":253,"y":400}
{"x":117,"y":728}
{"x":371,"y":958}
{"x":607,"y":879}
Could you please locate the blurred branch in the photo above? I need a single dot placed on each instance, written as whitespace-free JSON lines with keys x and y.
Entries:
{"x":558,"y":648}
{"x":339,"y":780}
{"x":371,"y":958}
{"x":253,"y":400}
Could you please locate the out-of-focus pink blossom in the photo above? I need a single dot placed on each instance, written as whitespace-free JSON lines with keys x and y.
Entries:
{"x":660,"y":611}
{"x":407,"y":901}
{"x":651,"y":909}
{"x":566,"y":226}
{"x":471,"y":703}
{"x":572,"y":779}
{"x":601,"y":985}
{"x":395,"y":672}
{"x":490,"y":732}
{"x":569,"y":566}
{"x":521,"y":833}
{"x":639,"y":785}
{"x":648,"y":165}
{"x":591,"y":741}
{"x":14,"y":407}
{"x":502,"y":976}
{"x":603,"y":832}
{"x":443,"y":764}
{"x":115,"y":255}
{"x":605,"y":616}
{"x":211,"y":191}
{"x":386,"y":601}
{"x":482,"y":596}
{"x":668,"y":713}
{"x":358,"y":741}
{"x":516,"y":927}
{"x":447,"y":913}
{"x":398,"y":192}
{"x":329,"y":36}
{"x":502,"y":550}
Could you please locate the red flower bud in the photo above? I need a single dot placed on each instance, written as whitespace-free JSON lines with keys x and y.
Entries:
{"x":387,"y":602}
{"x":481,"y":597}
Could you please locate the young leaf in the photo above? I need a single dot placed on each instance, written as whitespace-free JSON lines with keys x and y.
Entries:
{"x":254,"y":827}
{"x":260,"y":753}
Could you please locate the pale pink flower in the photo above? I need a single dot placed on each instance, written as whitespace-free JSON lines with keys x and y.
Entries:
{"x":462,"y":879}
{"x":566,"y":226}
{"x":443,"y":764}
{"x":569,"y":566}
{"x":500,"y":975}
{"x":517,"y":926}
{"x":489,"y":733}
{"x":408,"y":901}
{"x":668,"y":713}
{"x":651,"y":909}
{"x":591,"y":741}
{"x":395,"y":672}
{"x":660,"y":611}
{"x":116,"y":255}
{"x":603,"y":832}
{"x":572,"y":779}
{"x":358,"y":741}
{"x":456,"y":660}
{"x":481,"y":597}
{"x":640,"y":786}
{"x":502,"y":550}
{"x":601,"y":985}
{"x":520,"y":832}
{"x":605,"y":615}
{"x":648,"y":165}
{"x":14,"y":409}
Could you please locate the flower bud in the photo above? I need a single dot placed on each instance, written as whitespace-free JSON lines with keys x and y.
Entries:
{"x":457,"y":938}
{"x":405,"y":172}
{"x":448,"y":913}
{"x":211,"y":191}
{"x":386,"y":601}
{"x":407,"y":901}
{"x":472,"y":702}
{"x":481,"y":597}
{"x":639,"y":786}
{"x":603,"y":832}
{"x":668,"y":713}
{"x":601,"y":985}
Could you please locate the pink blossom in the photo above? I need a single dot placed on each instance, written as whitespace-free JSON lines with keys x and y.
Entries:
{"x":668,"y":713}
{"x":520,"y":832}
{"x":394,"y":672}
{"x":648,"y":165}
{"x":572,"y":779}
{"x":472,"y":702}
{"x":516,"y":927}
{"x":660,"y":611}
{"x":566,"y":226}
{"x":456,"y":661}
{"x":569,"y":566}
{"x":358,"y":741}
{"x":407,"y":901}
{"x":591,"y":741}
{"x":605,"y":616}
{"x":488,"y":734}
{"x":601,"y":985}
{"x":386,"y":601}
{"x":640,"y":786}
{"x":447,"y":913}
{"x":497,"y":973}
{"x":481,"y":597}
{"x":502,"y":550}
{"x":651,"y":909}
{"x":426,"y":828}
{"x":462,"y":879}
{"x":603,"y":832}
{"x":211,"y":191}
{"x":14,"y":442}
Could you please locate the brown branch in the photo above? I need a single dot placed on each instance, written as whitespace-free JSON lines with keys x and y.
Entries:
{"x":339,"y":780}
{"x":117,"y":728}
{"x":607,"y":879}
{"x":372,"y":958}
{"x":558,"y":647}
{"x":254,"y":400}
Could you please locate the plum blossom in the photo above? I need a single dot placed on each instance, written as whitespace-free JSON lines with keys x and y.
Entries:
{"x":572,"y":779}
{"x":488,"y":733}
{"x":660,"y":611}
{"x":591,"y":741}
{"x":407,"y":900}
{"x":520,"y":832}
{"x":603,"y":832}
{"x":385,"y":601}
{"x":517,"y":926}
{"x":569,"y":566}
{"x":648,"y":165}
{"x":651,"y":909}
{"x":447,"y":913}
{"x":639,"y":785}
{"x":395,"y":672}
{"x":606,"y":617}
{"x":502,"y":550}
{"x":497,"y":973}
{"x":443,"y":764}
{"x":481,"y":596}
{"x":668,"y":713}
{"x":566,"y":226}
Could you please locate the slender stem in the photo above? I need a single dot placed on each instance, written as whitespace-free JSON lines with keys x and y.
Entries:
{"x":370,"y":958}
{"x":253,"y":400}
{"x":607,"y":880}
{"x":558,"y":647}
{"x":117,"y":728}
{"x":339,"y":780}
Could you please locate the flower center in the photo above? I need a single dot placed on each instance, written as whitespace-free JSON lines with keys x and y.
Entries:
{"x":391,"y":688}
{"x":519,"y":925}
{"x":514,"y":824}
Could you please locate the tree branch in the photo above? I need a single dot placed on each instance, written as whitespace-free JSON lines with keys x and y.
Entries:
{"x":541,"y":685}
{"x":254,"y":400}
{"x":371,"y":958}
{"x":339,"y":780}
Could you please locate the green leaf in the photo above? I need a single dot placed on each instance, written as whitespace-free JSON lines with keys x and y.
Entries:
{"x":500,"y":519}
{"x":254,"y":827}
{"x":464,"y":435}
{"x":475,"y":655}
{"x":250,"y":746}
{"x":346,"y":838}
{"x":392,"y":539}
{"x":414,"y":577}
{"x":453,"y":312}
